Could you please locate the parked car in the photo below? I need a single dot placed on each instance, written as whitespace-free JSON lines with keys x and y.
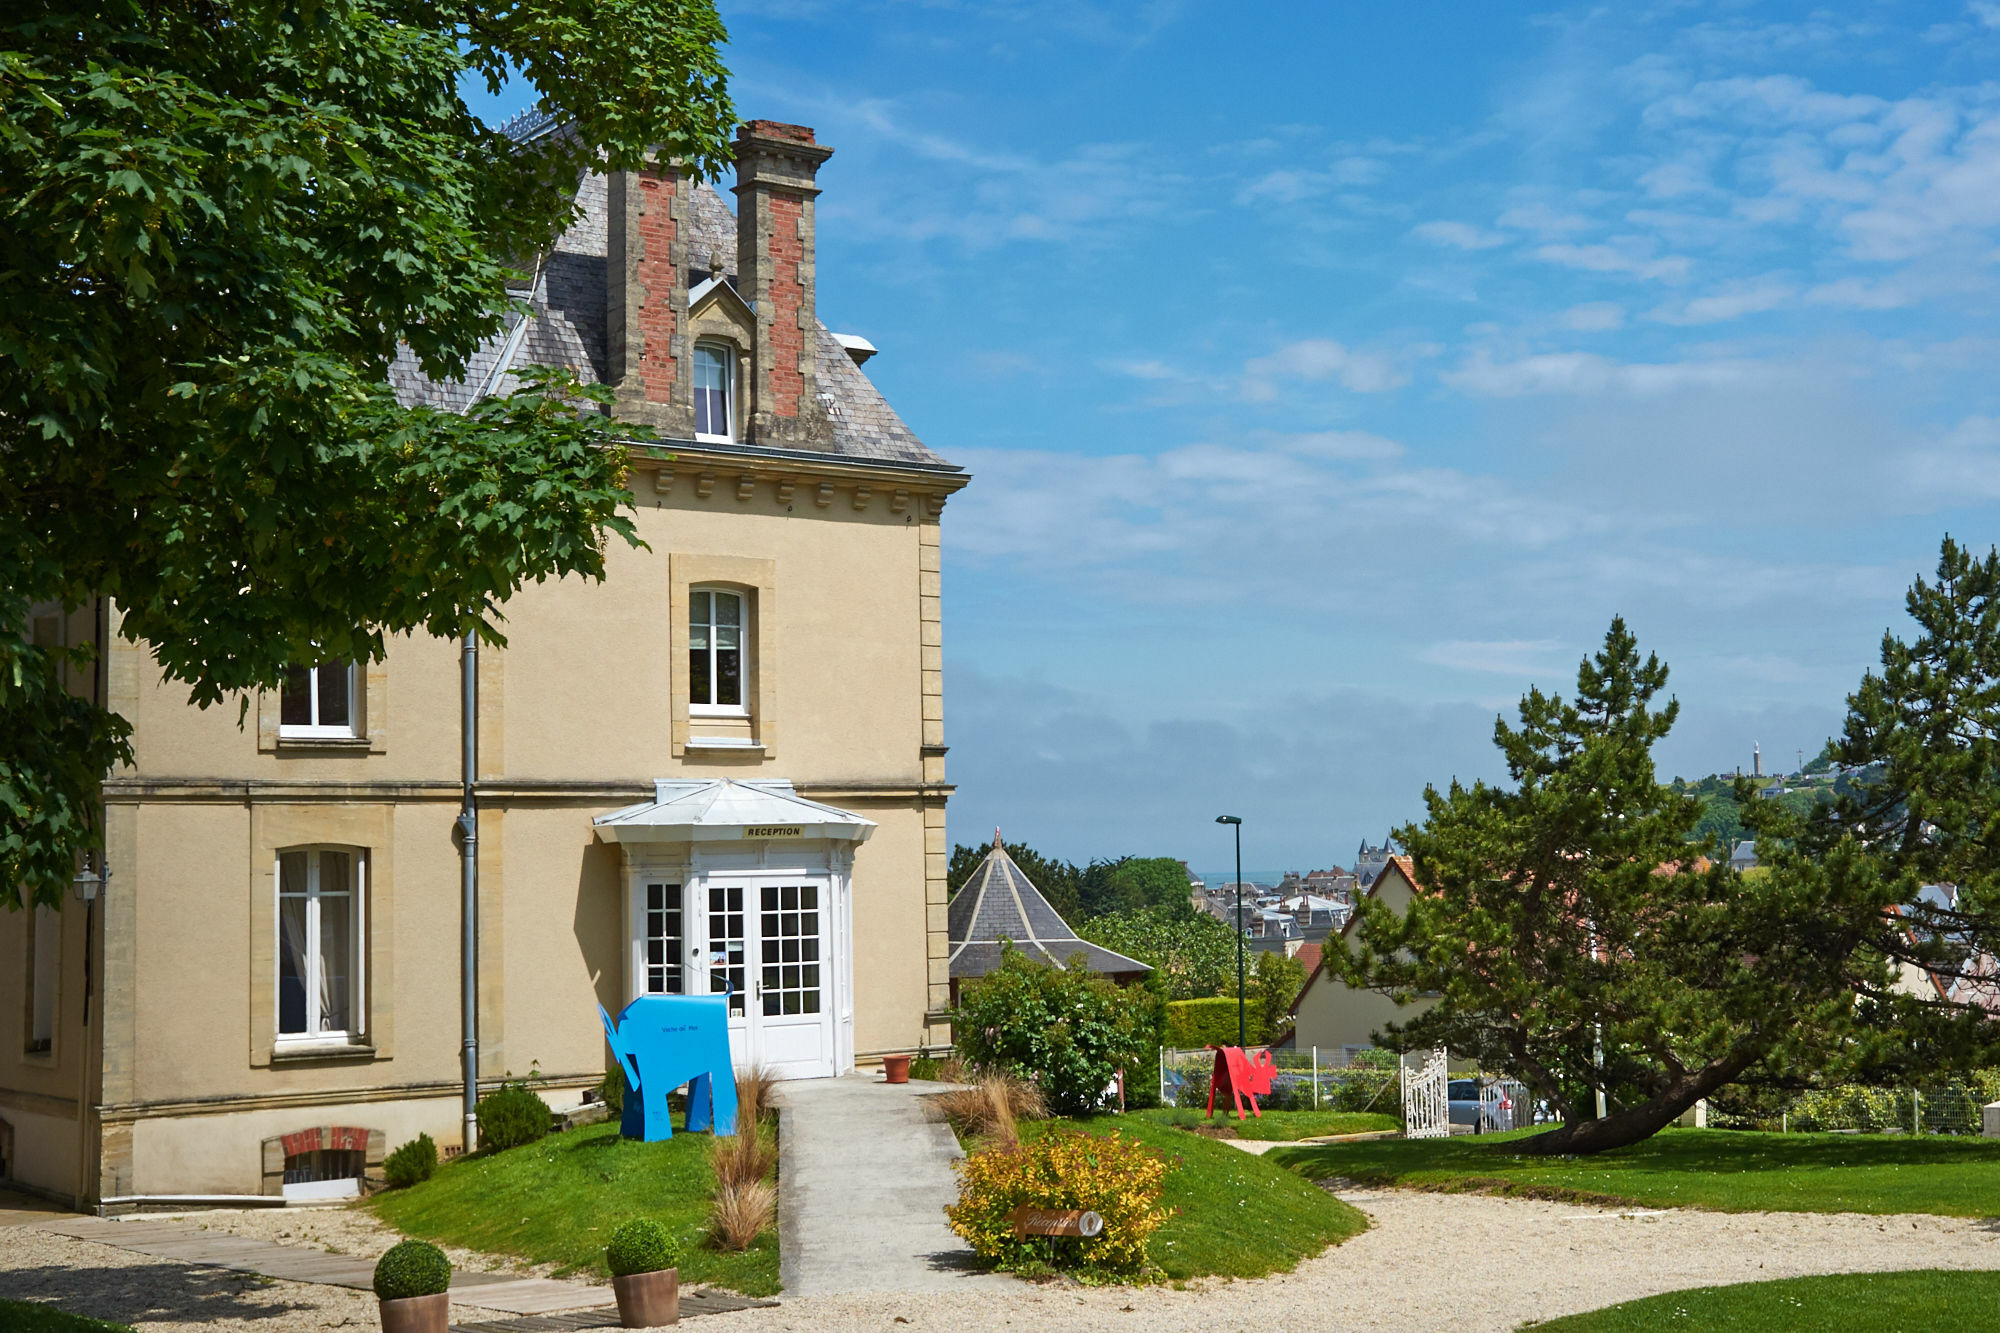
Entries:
{"x":1463,"y":1107}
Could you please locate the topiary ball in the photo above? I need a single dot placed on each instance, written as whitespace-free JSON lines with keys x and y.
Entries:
{"x":641,"y":1246}
{"x":412,"y":1268}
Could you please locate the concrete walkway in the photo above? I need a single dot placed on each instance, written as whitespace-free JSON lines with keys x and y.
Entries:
{"x":167,"y":1239}
{"x":863,"y":1179}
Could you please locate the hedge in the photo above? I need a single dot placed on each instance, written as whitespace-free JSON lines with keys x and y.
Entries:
{"x":1193,"y":1024}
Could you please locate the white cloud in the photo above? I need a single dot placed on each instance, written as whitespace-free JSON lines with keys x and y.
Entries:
{"x":1626,"y":255}
{"x":1506,"y":657}
{"x":1594,"y":317}
{"x":1146,"y":369}
{"x":1583,"y":373}
{"x":1320,"y":359}
{"x":1458,"y":235}
{"x":1543,"y":220}
{"x":1734,"y":302}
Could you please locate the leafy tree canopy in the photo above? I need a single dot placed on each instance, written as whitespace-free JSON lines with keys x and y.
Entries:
{"x":1126,"y":884}
{"x":221,"y":220}
{"x":1193,"y":955}
{"x":1563,"y":916}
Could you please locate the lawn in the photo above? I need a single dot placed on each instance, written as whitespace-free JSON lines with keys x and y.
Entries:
{"x":557,"y":1200}
{"x":35,"y":1317}
{"x":1845,"y":1303}
{"x":1276,"y":1126}
{"x":1727,"y":1170}
{"x":1237,"y":1215}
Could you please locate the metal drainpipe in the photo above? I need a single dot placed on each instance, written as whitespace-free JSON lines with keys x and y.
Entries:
{"x":468,"y":880}
{"x":468,"y":810}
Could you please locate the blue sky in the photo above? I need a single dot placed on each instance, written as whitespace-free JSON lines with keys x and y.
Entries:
{"x":1329,"y":373}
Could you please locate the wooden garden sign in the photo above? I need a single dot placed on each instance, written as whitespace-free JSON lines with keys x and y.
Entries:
{"x":1030,"y":1221}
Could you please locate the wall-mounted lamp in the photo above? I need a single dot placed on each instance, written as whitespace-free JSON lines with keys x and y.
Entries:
{"x":89,"y":883}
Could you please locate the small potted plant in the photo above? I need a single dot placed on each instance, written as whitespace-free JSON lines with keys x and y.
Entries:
{"x":643,"y":1258}
{"x":411,"y":1281}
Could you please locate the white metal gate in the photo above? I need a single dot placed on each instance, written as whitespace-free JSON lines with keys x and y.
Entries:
{"x":1427,"y":1098}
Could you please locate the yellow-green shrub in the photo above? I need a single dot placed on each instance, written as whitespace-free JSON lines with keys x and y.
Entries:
{"x":1117,"y":1178}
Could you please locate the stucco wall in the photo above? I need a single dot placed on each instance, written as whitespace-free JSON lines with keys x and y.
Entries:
{"x":577,"y":717}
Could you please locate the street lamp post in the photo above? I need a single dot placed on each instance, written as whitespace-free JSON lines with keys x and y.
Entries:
{"x":1237,"y":824}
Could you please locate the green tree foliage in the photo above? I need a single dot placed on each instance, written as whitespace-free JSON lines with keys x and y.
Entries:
{"x":1925,"y":731}
{"x":1564,"y":909}
{"x":1272,"y":985}
{"x":221,"y":220}
{"x":1060,"y":881}
{"x":1191,"y":953}
{"x":1133,"y":883}
{"x":1069,"y":1031}
{"x":1126,"y":884}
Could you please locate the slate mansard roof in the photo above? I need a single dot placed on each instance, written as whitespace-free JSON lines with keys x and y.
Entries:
{"x":1000,"y":903}
{"x":569,"y":330}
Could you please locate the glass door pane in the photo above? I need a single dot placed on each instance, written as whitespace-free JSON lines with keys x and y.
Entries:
{"x":789,"y":939}
{"x":725,"y":943}
{"x":666,"y":941}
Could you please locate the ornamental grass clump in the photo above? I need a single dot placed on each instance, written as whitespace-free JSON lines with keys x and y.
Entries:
{"x":1118,"y":1178}
{"x":741,"y":1213}
{"x":641,"y":1246}
{"x":412,"y":1268}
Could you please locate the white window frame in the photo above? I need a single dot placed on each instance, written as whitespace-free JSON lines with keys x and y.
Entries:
{"x":357,"y":891}
{"x":741,"y":709}
{"x":727,"y":354}
{"x":313,"y":730}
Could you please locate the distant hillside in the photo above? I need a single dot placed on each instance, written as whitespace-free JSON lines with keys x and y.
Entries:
{"x":1722,"y":814}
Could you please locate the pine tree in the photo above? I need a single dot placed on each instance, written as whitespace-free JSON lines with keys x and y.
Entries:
{"x":1574,"y":938}
{"x":1923,"y":810}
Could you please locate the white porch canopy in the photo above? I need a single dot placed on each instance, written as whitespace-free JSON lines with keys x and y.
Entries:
{"x":726,"y":810}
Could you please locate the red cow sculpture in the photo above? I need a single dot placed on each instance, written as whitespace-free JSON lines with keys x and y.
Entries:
{"x":1242,"y":1077}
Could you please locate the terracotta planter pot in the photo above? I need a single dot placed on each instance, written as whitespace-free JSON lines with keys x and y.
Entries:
{"x":648,"y":1300}
{"x":896,"y":1068}
{"x":417,"y":1314}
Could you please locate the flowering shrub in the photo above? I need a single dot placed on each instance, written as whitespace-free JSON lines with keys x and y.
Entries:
{"x":1068,"y":1031}
{"x":1117,"y":1178}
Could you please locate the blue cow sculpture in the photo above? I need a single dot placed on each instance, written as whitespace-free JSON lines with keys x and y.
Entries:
{"x":663,"y":1041}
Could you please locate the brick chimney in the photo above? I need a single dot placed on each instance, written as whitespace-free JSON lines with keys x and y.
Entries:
{"x":776,"y":167}
{"x":646,"y":310}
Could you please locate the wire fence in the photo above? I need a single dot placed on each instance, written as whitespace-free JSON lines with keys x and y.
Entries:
{"x":1307,"y":1080}
{"x":1324,"y":1079}
{"x":1945,"y":1106}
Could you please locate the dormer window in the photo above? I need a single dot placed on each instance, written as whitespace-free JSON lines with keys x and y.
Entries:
{"x":714,"y":378}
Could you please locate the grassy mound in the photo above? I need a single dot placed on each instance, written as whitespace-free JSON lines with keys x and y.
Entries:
{"x":1845,"y":1303}
{"x":1236,"y":1215}
{"x":1729,"y":1171}
{"x":35,"y":1317}
{"x":557,"y":1201}
{"x":1275,"y":1126}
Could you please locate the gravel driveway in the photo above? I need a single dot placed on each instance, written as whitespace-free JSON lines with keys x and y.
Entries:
{"x":1429,"y":1259}
{"x":1436,"y":1261}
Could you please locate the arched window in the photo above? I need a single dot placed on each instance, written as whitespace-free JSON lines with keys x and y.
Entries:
{"x":715,"y":651}
{"x":321,"y":905}
{"x":714,"y":392}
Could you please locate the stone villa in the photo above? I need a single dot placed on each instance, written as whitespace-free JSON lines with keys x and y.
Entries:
{"x":722,"y":766}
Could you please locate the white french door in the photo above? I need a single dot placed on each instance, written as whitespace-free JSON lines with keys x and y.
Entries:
{"x":767,"y":939}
